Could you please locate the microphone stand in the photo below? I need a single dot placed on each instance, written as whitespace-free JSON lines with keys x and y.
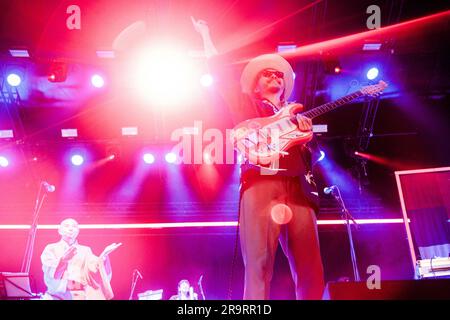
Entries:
{"x":347,"y":217}
{"x":26,"y":262}
{"x":133,"y":284}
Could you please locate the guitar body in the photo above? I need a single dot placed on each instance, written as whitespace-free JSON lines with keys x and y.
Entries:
{"x":264,"y":140}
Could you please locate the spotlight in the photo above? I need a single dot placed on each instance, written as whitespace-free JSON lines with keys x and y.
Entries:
{"x":171,"y":157}
{"x":372,"y":73}
{"x":322,"y":156}
{"x":3,"y":162}
{"x":162,"y":75}
{"x":149,"y":158}
{"x":57,"y":72}
{"x":113,"y":152}
{"x":14,"y":79}
{"x":97,"y":81}
{"x":206,"y":80}
{"x":77,"y":160}
{"x":332,"y":65}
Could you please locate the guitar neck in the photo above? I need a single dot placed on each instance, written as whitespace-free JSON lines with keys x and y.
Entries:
{"x":331,"y":105}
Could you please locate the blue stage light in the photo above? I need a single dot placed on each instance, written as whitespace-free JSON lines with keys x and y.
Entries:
{"x":13,"y":79}
{"x":77,"y":160}
{"x":372,"y":73}
{"x":322,"y":156}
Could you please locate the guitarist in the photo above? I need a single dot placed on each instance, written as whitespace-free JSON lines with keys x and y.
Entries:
{"x":266,"y":83}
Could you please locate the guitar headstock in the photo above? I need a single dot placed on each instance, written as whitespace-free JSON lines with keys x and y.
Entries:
{"x":374,"y":89}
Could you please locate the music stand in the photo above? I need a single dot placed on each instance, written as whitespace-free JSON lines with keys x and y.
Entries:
{"x":151,"y":295}
{"x":15,"y":286}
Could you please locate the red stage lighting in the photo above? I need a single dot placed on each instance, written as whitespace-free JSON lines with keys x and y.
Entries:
{"x":57,"y":72}
{"x":332,"y":65}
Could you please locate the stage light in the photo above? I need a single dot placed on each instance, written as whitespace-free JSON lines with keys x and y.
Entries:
{"x":6,"y":134}
{"x":57,"y":72}
{"x":372,"y":73}
{"x":206,"y":80}
{"x":129,"y":131}
{"x":322,"y":156}
{"x":19,"y":53}
{"x":332,"y":65}
{"x":320,"y":128}
{"x":371,"y":46}
{"x":285,"y":47}
{"x":77,"y":160}
{"x":14,"y":79}
{"x":97,"y":81}
{"x":105,"y":54}
{"x":3,"y":162}
{"x":149,"y":158}
{"x":171,"y":157}
{"x":113,"y":152}
{"x":162,"y":76}
{"x":190,"y":224}
{"x":69,"y":133}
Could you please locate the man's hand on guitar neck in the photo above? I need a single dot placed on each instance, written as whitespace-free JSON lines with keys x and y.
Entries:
{"x":304,"y":123}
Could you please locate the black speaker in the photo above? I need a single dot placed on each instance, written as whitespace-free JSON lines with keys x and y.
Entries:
{"x":435,"y":289}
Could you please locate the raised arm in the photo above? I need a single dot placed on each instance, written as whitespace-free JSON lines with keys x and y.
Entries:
{"x":208,"y":46}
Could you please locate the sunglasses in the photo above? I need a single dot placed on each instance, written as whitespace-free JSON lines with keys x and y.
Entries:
{"x":269,"y":73}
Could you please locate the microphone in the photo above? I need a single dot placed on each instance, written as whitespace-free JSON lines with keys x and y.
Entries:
{"x":138,"y":273}
{"x":329,"y":190}
{"x":49,"y":187}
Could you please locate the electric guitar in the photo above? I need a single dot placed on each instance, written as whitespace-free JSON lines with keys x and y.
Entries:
{"x":264,"y":140}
